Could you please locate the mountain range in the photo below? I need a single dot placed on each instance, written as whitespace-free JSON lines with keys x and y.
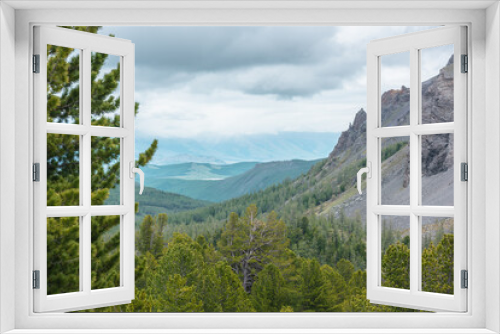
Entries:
{"x":194,"y":171}
{"x":217,"y":183}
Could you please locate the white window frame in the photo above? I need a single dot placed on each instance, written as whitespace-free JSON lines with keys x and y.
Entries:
{"x":484,"y":50}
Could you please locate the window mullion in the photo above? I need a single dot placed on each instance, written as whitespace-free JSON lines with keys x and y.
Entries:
{"x":86,"y":174}
{"x":414,"y":170}
{"x":86,"y":163}
{"x":81,"y":179}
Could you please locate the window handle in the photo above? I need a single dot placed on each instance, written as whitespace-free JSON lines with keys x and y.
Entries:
{"x":134,"y":170}
{"x":368,"y":171}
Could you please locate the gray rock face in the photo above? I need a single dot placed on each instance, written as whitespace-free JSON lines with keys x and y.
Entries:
{"x":437,"y":96}
{"x":437,"y":154}
{"x":353,"y":138}
{"x":395,"y":105}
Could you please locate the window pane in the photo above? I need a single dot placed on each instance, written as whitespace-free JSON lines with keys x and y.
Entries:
{"x":105,"y":90}
{"x":63,"y":167}
{"x":63,"y":251}
{"x":395,"y":252}
{"x":105,"y":252}
{"x":395,"y":89}
{"x":63,"y":85}
{"x":105,"y":171}
{"x":395,"y":171}
{"x":437,"y":169}
{"x":437,"y":254}
{"x":437,"y":84}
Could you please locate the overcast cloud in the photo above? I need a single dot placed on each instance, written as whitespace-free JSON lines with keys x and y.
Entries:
{"x":195,"y":82}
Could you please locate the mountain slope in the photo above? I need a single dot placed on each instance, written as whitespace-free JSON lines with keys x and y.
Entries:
{"x":259,"y":177}
{"x":154,"y":201}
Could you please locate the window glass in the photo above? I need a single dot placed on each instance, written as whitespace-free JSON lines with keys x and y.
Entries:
{"x":105,"y":90}
{"x":105,"y":252}
{"x":63,"y":251}
{"x":437,"y":254}
{"x":395,"y":89}
{"x":395,"y":252}
{"x":395,"y":171}
{"x":106,"y":171}
{"x":63,"y":84}
{"x":437,"y":84}
{"x":63,"y":168}
{"x":437,"y":169}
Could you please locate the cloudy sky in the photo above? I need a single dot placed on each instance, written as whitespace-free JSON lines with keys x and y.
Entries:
{"x":199,"y":82}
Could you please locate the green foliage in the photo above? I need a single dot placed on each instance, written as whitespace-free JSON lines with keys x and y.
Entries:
{"x":392,"y":149}
{"x":286,"y":309}
{"x":197,"y":276}
{"x":105,"y":252}
{"x":63,"y":266}
{"x":230,"y":294}
{"x":62,"y":170}
{"x":178,"y":297}
{"x":335,"y":286}
{"x":315,"y":296}
{"x":188,"y":276}
{"x":249,"y":243}
{"x":396,"y":266}
{"x":437,"y":266}
{"x":268,"y":292}
{"x":345,"y":269}
{"x":150,"y":235}
{"x":153,"y":202}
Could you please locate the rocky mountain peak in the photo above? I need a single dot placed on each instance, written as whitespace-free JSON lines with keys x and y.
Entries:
{"x":353,"y":139}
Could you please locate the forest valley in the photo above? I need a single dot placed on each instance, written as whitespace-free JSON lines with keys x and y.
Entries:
{"x":269,"y":251}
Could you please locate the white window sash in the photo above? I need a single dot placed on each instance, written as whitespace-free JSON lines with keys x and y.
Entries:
{"x":86,"y":297}
{"x":414,"y":297}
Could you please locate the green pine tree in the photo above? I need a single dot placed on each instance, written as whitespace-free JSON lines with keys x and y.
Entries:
{"x":268,"y":291}
{"x":249,"y":243}
{"x":315,"y":297}
{"x":396,"y":266}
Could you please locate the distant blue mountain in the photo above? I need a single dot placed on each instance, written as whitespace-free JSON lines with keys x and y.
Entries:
{"x":217,"y":183}
{"x":282,"y":146}
{"x":194,"y":171}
